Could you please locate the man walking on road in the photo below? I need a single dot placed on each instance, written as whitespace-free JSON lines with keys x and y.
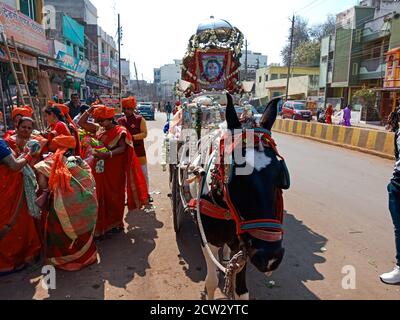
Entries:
{"x":168,"y":110}
{"x":394,"y":201}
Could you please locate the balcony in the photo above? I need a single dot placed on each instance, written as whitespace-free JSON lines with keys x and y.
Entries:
{"x":376,"y":29}
{"x":372,"y":69}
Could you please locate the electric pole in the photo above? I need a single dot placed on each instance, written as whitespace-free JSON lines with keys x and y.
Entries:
{"x":119,"y":58}
{"x":245,"y":68}
{"x":290,"y":58}
{"x":137,"y":79}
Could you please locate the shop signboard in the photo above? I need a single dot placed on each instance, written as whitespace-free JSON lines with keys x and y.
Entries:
{"x":24,"y":30}
{"x":105,"y":60}
{"x":75,"y":66}
{"x":99,"y":81}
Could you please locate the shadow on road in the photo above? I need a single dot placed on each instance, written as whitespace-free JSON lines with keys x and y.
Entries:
{"x":122,"y":257}
{"x":191,"y":254}
{"x":303,"y":253}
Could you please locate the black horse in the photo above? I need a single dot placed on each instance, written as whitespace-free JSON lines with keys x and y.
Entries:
{"x":255,"y":198}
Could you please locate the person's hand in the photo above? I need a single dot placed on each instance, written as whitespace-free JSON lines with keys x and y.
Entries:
{"x":101,"y":155}
{"x":91,"y":110}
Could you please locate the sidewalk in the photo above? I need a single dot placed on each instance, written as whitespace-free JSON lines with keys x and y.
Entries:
{"x":370,"y":126}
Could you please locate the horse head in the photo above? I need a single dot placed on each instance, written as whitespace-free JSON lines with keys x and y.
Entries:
{"x":255,"y":195}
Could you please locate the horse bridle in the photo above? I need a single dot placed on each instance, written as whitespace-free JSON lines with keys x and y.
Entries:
{"x":270,"y":230}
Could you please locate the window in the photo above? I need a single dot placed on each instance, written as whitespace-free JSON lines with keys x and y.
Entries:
{"x":274,"y":76}
{"x":357,"y":37}
{"x":259,"y":79}
{"x":28,"y":7}
{"x":266,"y":77}
{"x":354,"y":70}
{"x":283,"y":76}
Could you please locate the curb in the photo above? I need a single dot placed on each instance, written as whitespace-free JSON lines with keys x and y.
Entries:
{"x":370,"y":141}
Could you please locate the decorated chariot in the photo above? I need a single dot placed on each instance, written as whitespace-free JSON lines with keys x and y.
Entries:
{"x":210,"y":69}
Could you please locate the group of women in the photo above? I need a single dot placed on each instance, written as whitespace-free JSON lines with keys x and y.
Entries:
{"x":53,"y":204}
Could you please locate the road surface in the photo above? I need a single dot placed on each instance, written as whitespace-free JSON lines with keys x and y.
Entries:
{"x":337,"y":221}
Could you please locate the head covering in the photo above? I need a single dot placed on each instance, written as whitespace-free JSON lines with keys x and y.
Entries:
{"x":129,"y":103}
{"x":25,"y":111}
{"x":62,"y":107}
{"x":60,"y":176}
{"x":103,"y":112}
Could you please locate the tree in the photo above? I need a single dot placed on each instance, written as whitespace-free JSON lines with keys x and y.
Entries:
{"x":308,"y":54}
{"x":367,"y":98}
{"x":300,"y":34}
{"x":306,"y":41}
{"x":320,"y":31}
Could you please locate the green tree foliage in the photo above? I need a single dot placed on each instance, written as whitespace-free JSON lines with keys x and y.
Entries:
{"x":306,"y":41}
{"x":307,"y":54}
{"x":300,"y":35}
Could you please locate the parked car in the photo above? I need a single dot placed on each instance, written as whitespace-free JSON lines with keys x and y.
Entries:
{"x":296,"y":110}
{"x":146,"y":109}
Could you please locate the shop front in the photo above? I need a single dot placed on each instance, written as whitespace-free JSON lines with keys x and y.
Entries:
{"x":99,"y":86}
{"x":30,"y":41}
{"x":390,"y":93}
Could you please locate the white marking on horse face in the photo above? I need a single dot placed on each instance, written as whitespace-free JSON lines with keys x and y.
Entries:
{"x":257,"y":159}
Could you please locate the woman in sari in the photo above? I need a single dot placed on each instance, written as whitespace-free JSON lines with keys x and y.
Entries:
{"x":329,"y":114}
{"x":60,"y":123}
{"x":19,"y":238}
{"x":117,"y":170}
{"x":16,"y":115}
{"x":70,"y":212}
{"x":23,"y":136}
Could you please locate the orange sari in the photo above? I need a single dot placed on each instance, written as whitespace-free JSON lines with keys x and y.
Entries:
{"x":122,"y":173}
{"x":19,"y":238}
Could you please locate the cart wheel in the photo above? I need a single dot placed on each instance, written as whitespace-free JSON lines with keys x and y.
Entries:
{"x":177,"y":209}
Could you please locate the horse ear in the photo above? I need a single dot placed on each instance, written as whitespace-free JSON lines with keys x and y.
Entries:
{"x":231,"y":115}
{"x":270,"y":114}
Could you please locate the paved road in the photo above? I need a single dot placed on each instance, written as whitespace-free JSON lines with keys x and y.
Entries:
{"x":337,"y":202}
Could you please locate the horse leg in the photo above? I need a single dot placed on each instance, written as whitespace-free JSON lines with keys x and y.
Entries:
{"x":212,"y":274}
{"x":241,"y":291}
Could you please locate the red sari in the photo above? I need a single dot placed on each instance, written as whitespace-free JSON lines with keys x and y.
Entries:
{"x":20,"y":243}
{"x":121,"y":173}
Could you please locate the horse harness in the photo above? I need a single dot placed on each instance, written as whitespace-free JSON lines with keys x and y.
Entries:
{"x":270,"y":230}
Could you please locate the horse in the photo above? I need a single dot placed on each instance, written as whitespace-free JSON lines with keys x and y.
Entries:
{"x":242,"y":212}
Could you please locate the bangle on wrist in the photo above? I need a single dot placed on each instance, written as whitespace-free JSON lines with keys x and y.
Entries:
{"x":111,"y":154}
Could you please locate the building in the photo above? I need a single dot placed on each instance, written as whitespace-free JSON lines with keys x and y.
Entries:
{"x":109,"y":59}
{"x":22,"y":21}
{"x":67,"y":43}
{"x":255,"y":61}
{"x":272,"y":82}
{"x":85,"y":13}
{"x":165,"y":80}
{"x":355,"y":57}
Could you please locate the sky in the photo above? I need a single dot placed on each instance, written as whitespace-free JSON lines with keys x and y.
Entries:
{"x":155,"y":32}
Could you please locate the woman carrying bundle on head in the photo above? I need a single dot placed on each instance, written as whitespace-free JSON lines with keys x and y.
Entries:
{"x":68,"y":201}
